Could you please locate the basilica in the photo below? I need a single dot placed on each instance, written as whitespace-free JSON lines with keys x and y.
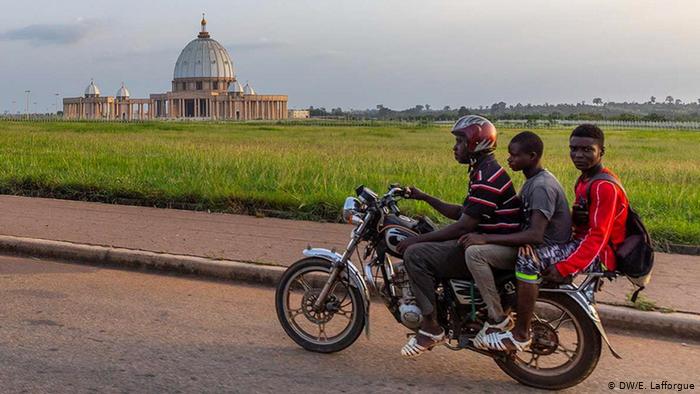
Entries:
{"x":204,"y":86}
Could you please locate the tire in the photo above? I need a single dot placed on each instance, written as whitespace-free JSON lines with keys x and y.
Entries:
{"x":585,"y":362}
{"x":347,"y":337}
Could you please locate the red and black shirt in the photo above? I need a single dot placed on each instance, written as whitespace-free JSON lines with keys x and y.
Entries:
{"x":491,"y":198}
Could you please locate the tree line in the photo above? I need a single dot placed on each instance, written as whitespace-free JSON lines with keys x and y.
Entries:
{"x":651,"y":110}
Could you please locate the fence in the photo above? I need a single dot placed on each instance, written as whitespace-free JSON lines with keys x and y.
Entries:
{"x":283,"y":122}
{"x":523,"y":123}
{"x":614,"y":124}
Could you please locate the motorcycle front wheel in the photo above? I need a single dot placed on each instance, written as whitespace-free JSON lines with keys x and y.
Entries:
{"x":331,"y":328}
{"x":565,"y":348}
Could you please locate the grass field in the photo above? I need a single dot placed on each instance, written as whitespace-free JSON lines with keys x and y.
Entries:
{"x":306,"y":171}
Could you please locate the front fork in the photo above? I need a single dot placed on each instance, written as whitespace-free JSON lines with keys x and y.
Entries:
{"x":337,"y":267}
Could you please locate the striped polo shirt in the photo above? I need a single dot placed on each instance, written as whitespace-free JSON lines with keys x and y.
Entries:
{"x":491,"y":198}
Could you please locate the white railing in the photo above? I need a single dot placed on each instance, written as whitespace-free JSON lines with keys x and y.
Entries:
{"x":615,"y":124}
{"x":619,"y":124}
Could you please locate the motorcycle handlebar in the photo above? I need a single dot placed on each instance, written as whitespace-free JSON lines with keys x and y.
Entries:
{"x":395,"y":190}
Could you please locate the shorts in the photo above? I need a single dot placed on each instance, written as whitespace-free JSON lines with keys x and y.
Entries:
{"x":531,"y":262}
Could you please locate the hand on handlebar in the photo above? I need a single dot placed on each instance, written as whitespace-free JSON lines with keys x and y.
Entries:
{"x":414,"y":193}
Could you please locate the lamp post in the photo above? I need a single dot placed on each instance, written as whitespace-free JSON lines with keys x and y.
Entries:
{"x":56,"y":94}
{"x":26,"y":108}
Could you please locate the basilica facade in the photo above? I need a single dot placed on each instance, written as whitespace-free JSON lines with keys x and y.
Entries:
{"x":204,"y":86}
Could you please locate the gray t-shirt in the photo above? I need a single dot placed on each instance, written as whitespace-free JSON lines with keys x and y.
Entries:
{"x":544,"y":193}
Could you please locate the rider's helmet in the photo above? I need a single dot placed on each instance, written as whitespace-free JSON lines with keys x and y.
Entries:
{"x":479,"y":132}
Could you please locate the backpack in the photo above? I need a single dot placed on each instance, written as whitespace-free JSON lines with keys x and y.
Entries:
{"x":635,"y":255}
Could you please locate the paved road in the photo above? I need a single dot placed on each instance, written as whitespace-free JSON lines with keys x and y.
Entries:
{"x":273,"y":241}
{"x":73,"y":328}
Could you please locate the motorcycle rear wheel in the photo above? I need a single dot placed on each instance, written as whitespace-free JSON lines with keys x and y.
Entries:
{"x":294,"y":299}
{"x":581,"y":361}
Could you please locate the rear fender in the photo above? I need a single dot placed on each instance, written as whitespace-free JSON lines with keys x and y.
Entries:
{"x":355,"y":279}
{"x":587,"y":306}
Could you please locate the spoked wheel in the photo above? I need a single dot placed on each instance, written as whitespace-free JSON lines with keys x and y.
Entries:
{"x":565,"y":346}
{"x":330,"y":328}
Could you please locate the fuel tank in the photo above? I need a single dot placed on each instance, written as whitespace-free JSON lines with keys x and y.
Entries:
{"x":396,"y":228}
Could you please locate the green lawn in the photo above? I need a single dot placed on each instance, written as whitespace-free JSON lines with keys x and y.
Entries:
{"x":307,"y":170}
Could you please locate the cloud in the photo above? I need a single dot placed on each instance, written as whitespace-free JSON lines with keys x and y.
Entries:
{"x":51,"y":34}
{"x":260,"y":44}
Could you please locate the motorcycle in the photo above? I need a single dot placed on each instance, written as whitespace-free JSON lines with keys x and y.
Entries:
{"x":323,"y":300}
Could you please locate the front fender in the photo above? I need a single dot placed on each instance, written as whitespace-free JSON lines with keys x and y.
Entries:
{"x":353,"y":274}
{"x":587,"y":306}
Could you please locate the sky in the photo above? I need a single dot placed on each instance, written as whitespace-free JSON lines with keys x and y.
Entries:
{"x":358,"y":54}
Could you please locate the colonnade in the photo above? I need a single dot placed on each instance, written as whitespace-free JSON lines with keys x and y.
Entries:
{"x":229,"y":108}
{"x":139,"y":109}
{"x":216,"y":108}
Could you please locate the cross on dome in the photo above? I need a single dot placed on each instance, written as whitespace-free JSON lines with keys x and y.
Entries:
{"x":203,"y":33}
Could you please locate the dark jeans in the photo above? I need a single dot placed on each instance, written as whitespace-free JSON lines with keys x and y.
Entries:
{"x":428,"y":262}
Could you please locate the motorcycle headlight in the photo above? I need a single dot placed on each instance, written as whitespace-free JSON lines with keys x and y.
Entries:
{"x":351,"y":210}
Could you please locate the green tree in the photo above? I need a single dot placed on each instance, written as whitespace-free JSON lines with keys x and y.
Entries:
{"x":498,"y":107}
{"x":463,"y":111}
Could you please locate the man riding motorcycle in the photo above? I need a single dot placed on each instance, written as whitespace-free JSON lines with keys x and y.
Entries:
{"x":491,"y":206}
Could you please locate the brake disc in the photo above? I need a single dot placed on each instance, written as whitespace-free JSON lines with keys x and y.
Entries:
{"x":317,"y":316}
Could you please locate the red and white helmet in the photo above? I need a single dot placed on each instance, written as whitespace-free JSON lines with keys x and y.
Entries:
{"x":479,"y":132}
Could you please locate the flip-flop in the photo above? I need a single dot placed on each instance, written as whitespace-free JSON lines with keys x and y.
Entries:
{"x":497,"y":341}
{"x":413,"y":349}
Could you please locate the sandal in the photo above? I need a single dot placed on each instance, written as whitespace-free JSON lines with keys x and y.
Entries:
{"x":413,"y":349}
{"x":506,"y":325}
{"x":504,"y":342}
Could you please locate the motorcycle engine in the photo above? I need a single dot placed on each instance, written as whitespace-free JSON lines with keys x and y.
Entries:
{"x":409,"y":312}
{"x":410,"y":315}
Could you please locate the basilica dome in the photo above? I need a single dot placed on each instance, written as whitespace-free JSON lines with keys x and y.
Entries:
{"x":123,"y":92}
{"x":92,"y":90}
{"x":204,"y":57}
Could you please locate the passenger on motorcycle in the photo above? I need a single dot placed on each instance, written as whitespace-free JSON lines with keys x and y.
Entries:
{"x":490,"y":206}
{"x":546,"y":216}
{"x":599,"y":227}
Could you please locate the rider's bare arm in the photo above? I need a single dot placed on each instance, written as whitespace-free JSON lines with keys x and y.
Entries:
{"x":465,"y":224}
{"x":451,"y":211}
{"x":533,"y":235}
